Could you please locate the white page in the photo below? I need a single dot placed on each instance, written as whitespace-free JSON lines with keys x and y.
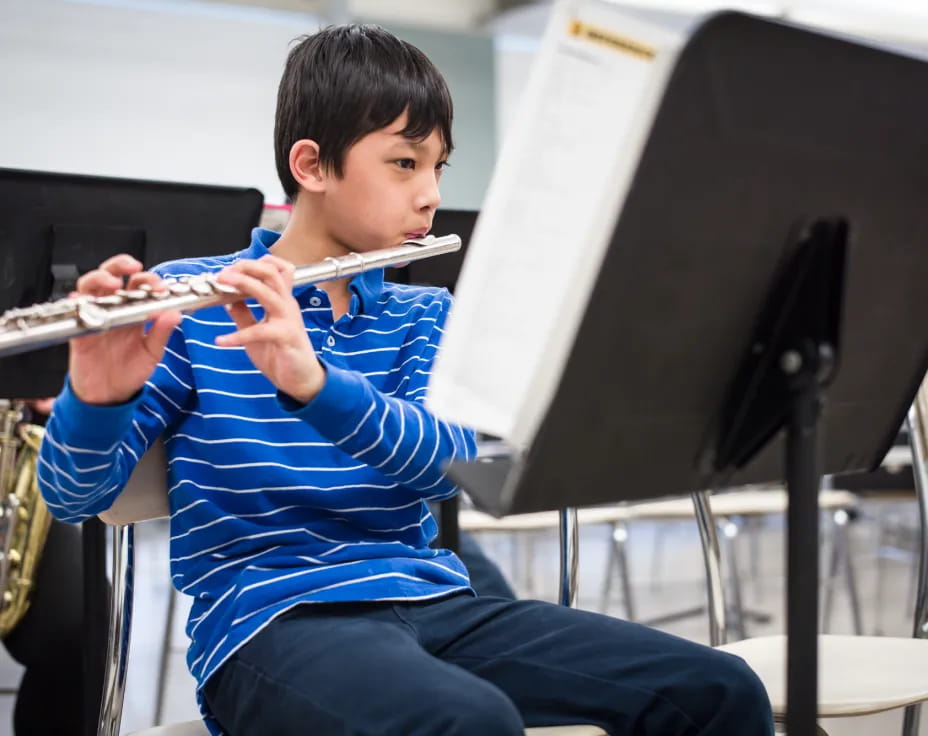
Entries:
{"x":549,"y":212}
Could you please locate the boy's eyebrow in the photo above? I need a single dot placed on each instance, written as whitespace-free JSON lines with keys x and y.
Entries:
{"x":415,"y":145}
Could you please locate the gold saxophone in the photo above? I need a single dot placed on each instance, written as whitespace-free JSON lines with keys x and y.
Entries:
{"x":24,"y":517}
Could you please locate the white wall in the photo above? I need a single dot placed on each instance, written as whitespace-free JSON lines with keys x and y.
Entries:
{"x":181,"y":90}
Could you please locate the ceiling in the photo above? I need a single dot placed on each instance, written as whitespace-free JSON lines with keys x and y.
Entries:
{"x":472,"y":15}
{"x":900,"y":21}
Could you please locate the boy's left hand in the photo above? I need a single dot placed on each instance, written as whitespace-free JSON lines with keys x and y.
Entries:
{"x":278,"y":345}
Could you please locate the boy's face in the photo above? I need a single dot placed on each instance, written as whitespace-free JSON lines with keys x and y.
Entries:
{"x":388,"y":191}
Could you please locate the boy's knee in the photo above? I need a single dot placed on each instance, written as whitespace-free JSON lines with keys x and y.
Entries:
{"x":488,"y":713}
{"x":742,"y":697}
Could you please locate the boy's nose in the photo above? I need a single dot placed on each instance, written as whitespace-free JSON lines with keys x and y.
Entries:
{"x":430,"y":196}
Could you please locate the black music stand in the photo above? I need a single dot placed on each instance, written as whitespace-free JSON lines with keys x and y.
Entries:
{"x":54,"y":227}
{"x":773,"y":244}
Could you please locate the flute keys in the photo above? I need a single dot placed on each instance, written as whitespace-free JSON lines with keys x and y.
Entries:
{"x":219,"y":287}
{"x":150,"y":293}
{"x":179,"y":288}
{"x":109,"y":300}
{"x":90,"y":315}
{"x":132,"y":295}
{"x":201,"y":287}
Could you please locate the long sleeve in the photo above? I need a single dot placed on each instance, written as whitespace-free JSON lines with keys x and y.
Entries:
{"x":89,"y":452}
{"x":397,"y":436}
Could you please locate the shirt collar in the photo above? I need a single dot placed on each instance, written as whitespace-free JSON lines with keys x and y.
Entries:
{"x":367,"y":285}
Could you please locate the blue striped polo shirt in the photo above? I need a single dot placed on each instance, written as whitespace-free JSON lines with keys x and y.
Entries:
{"x":272,"y":503}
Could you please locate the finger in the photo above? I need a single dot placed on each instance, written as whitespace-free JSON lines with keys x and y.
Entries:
{"x":144,"y":278}
{"x":98,"y":282}
{"x":160,"y":331}
{"x":256,"y":333}
{"x":241,"y":315}
{"x":121,"y":264}
{"x":284,"y":268}
{"x":41,"y":406}
{"x":272,"y":300}
{"x":269,"y":269}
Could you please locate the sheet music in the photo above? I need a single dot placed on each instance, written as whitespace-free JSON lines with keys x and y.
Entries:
{"x":548,"y":216}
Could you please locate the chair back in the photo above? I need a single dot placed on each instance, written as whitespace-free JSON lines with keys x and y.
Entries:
{"x":146,"y":493}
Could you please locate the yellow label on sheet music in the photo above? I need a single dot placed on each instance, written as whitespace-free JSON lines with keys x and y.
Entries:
{"x":603,"y":36}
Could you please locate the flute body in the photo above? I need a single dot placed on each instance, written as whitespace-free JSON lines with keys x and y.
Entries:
{"x":30,"y":328}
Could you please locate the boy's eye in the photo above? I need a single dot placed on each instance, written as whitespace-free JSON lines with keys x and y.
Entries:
{"x":406,"y":163}
{"x":442,"y":165}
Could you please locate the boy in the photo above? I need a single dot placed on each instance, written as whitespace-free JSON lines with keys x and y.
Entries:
{"x":301,"y":459}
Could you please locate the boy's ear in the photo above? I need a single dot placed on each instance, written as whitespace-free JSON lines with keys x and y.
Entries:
{"x":306,"y":167}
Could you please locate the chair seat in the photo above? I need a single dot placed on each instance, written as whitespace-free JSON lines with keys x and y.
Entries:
{"x":857,"y":674}
{"x":197,"y":728}
{"x":750,"y":502}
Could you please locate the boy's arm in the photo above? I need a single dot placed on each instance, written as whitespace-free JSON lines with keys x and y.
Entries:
{"x":398,"y":437}
{"x":89,"y":451}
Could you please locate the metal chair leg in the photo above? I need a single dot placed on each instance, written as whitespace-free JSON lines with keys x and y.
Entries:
{"x":729,"y":537}
{"x":165,"y":657}
{"x":843,"y":545}
{"x":617,"y":564}
{"x":570,"y":555}
{"x":620,"y":540}
{"x":828,"y":583}
{"x":117,"y":650}
{"x":917,"y":438}
{"x":708,"y":535}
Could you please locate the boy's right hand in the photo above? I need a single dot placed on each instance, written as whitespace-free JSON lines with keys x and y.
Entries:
{"x":110,"y":367}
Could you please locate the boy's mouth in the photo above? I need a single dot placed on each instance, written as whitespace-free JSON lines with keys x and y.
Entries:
{"x":417,"y":234}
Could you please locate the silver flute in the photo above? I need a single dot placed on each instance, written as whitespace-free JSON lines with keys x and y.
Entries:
{"x":29,"y":328}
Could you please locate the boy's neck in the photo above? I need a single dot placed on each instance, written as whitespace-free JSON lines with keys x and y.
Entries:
{"x":303,"y":242}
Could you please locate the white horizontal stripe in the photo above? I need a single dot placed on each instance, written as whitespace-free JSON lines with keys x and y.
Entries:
{"x":212,"y":346}
{"x":371,"y":331}
{"x":203,"y":367}
{"x":235,"y":395}
{"x":49,"y":437}
{"x":258,"y":420}
{"x":297,"y":468}
{"x":234,"y":561}
{"x":245,"y":440}
{"x":166,"y":369}
{"x":237,"y":517}
{"x":397,"y":369}
{"x":272,"y":489}
{"x":394,"y":349}
{"x":182,"y":358}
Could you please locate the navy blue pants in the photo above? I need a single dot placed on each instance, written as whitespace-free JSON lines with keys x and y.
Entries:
{"x":480,"y":666}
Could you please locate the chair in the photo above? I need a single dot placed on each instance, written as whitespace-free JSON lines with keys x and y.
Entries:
{"x":858,"y":675}
{"x":740,"y":505}
{"x":145,"y":497}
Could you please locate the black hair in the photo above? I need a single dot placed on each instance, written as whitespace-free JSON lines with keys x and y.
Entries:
{"x":347,"y":81}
